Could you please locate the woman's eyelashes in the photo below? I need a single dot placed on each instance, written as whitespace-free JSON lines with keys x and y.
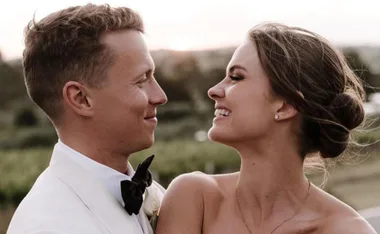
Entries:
{"x":235,"y":77}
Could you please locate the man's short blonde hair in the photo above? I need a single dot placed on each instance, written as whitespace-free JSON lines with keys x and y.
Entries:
{"x":65,"y":46}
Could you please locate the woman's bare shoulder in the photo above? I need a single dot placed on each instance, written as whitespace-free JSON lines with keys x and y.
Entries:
{"x":187,"y":196}
{"x":204,"y":183}
{"x":347,"y":223}
{"x":340,"y":217}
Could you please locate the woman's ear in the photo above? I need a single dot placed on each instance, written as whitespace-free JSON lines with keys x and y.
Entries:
{"x":286,"y":111}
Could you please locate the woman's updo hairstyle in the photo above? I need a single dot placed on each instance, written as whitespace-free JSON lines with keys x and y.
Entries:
{"x":298,"y":61}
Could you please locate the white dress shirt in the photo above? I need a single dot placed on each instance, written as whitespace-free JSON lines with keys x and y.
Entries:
{"x":108,"y":176}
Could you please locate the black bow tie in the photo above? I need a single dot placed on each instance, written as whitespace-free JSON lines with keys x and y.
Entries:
{"x":132,"y":190}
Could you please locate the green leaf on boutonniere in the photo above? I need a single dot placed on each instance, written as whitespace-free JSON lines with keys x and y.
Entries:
{"x":153,"y":220}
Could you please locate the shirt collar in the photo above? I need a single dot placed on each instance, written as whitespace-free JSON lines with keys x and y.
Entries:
{"x":108,"y":176}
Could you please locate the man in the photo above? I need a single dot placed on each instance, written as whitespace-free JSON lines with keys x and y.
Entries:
{"x":89,"y":69}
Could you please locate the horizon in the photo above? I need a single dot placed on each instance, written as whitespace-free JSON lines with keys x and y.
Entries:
{"x":365,"y":46}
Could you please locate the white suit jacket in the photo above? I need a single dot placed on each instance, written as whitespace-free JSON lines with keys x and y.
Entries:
{"x":66,"y":199}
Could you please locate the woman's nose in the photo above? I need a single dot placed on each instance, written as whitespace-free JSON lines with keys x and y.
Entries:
{"x":216,"y":92}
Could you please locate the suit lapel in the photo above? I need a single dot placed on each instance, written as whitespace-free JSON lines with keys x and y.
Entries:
{"x":98,"y":200}
{"x":145,"y":223}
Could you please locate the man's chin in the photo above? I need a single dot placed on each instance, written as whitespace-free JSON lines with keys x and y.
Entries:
{"x":147,"y":143}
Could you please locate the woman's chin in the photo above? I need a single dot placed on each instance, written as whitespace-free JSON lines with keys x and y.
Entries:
{"x":218,"y":136}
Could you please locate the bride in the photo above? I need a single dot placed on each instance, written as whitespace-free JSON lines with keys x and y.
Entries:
{"x":287,"y":94}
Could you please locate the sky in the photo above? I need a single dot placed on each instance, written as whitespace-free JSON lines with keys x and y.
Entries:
{"x":204,"y":24}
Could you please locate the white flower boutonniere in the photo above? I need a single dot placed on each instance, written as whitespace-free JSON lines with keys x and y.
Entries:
{"x":152,"y":202}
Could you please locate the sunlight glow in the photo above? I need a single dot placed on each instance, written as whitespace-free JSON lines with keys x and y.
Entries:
{"x":181,"y":44}
{"x":199,"y":24}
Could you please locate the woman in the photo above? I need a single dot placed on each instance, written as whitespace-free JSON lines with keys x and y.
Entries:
{"x":287,"y":94}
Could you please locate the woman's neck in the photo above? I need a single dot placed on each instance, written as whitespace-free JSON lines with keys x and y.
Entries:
{"x":271,"y":184}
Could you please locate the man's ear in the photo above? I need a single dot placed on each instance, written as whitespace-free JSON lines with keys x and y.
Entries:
{"x":286,"y":111}
{"x":78,"y":98}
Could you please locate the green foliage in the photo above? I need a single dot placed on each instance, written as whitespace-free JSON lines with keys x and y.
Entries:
{"x":24,"y":138}
{"x":20,"y":168}
{"x":11,"y":85}
{"x":25,"y":117}
{"x":174,"y":111}
{"x":176,"y":157}
{"x":184,"y":128}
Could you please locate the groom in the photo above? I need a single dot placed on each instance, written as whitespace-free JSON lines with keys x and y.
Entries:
{"x":89,"y":69}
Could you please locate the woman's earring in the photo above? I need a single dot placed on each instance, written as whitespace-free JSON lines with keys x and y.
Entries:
{"x":276,"y":117}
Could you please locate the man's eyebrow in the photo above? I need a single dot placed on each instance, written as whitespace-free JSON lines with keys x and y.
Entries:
{"x":146,"y":69}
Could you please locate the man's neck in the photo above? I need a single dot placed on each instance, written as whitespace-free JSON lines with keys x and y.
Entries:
{"x":98,"y":153}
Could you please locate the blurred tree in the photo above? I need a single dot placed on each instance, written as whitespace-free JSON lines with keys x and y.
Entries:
{"x":172,"y":87}
{"x":212,"y":77}
{"x":12,"y":86}
{"x":25,"y":117}
{"x":179,"y":105}
{"x":362,"y":70}
{"x":192,"y":80}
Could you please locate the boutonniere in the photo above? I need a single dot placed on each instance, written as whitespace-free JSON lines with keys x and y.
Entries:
{"x":152,"y":201}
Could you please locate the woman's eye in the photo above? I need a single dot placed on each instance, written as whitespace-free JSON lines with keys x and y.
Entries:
{"x":236,"y":78}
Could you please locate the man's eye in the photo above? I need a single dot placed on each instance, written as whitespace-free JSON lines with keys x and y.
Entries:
{"x":143,"y":79}
{"x":147,"y":76}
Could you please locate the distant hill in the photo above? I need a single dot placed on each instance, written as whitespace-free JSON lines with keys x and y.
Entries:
{"x":371,"y":56}
{"x":209,"y":65}
{"x":208,"y":59}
